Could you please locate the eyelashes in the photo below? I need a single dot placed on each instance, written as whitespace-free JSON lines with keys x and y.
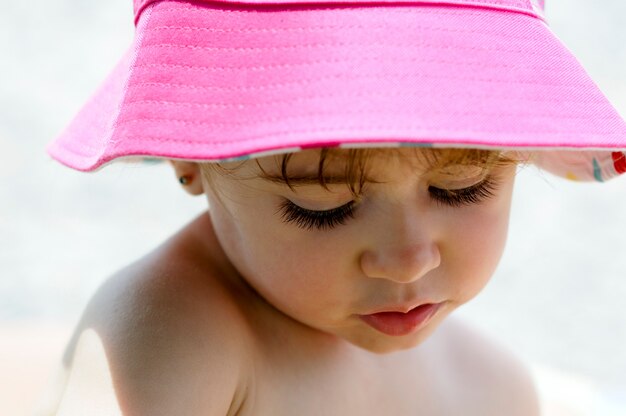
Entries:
{"x":474,"y":194}
{"x":322,"y":220}
{"x":329,"y":219}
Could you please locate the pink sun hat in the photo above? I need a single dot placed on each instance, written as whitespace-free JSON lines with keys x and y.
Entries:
{"x":223,"y":80}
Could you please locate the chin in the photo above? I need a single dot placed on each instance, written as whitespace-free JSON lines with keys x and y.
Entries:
{"x":386,"y":344}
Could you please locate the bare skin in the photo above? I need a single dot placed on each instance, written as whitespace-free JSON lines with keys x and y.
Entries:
{"x":179,"y":338}
{"x":244,"y":313}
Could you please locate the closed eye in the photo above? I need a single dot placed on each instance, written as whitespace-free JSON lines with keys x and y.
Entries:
{"x":474,"y":194}
{"x":322,"y":220}
{"x":328,"y":219}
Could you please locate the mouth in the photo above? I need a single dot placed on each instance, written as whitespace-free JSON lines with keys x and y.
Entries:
{"x":400,"y":323}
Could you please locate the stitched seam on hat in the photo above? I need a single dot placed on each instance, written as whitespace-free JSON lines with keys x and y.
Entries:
{"x":326,"y":45}
{"x":442,"y":9}
{"x":506,"y":3}
{"x":315,"y":29}
{"x":480,"y":3}
{"x":300,"y":82}
{"x":358,"y":59}
{"x":352,"y":76}
{"x":355,"y":45}
{"x":266,"y":103}
{"x":256,"y":121}
{"x":400,"y":8}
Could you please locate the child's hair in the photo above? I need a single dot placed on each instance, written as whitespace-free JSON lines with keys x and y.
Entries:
{"x":355,"y":163}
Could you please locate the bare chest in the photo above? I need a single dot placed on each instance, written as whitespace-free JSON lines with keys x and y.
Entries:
{"x":344,"y":386}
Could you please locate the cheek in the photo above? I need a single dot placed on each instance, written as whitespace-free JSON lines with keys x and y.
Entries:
{"x":478,"y":248}
{"x":288,"y":269}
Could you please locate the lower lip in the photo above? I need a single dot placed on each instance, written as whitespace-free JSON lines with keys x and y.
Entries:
{"x":398,"y":323}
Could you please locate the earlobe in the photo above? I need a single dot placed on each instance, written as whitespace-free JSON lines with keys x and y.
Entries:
{"x":189,"y":176}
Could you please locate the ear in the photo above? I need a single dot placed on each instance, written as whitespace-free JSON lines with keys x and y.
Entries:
{"x":189,"y":175}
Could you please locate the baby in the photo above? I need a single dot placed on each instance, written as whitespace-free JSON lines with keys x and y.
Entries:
{"x":358,"y":161}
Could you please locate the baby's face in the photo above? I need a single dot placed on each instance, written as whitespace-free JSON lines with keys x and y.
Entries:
{"x":328,"y":259}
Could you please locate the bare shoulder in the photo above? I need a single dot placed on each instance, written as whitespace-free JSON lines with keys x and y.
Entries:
{"x":488,"y":377}
{"x":161,"y":337}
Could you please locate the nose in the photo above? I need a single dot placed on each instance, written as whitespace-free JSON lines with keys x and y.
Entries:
{"x":401,"y":262}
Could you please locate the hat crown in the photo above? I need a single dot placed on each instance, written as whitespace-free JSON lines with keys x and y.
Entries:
{"x":533,"y":7}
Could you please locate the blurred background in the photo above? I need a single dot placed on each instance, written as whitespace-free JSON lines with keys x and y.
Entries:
{"x":558,"y":298}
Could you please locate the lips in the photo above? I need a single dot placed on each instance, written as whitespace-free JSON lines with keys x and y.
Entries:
{"x":399,"y":323}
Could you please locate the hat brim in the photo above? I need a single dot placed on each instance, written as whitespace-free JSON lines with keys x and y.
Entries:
{"x":217,"y":82}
